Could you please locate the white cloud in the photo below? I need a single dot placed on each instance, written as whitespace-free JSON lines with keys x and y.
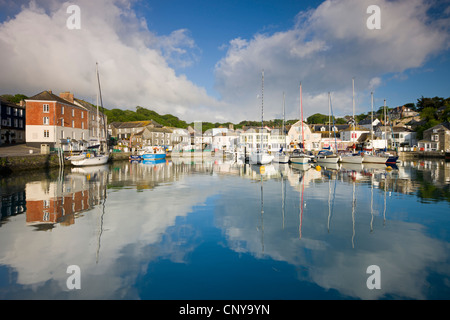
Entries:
{"x":40,"y":53}
{"x":326,"y":48}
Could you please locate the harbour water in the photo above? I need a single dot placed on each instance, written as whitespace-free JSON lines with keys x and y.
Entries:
{"x":213,"y":229}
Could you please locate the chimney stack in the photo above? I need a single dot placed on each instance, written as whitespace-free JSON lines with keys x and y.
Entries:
{"x":67,"y":96}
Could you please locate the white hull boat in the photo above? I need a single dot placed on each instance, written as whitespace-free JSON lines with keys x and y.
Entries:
{"x":300,"y":159}
{"x":371,"y":158}
{"x":327,"y":157}
{"x":91,"y":160}
{"x":261,"y":158}
{"x":350,"y":158}
{"x":280,"y":158}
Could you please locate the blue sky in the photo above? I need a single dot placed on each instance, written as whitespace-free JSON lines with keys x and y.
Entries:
{"x":202,"y":60}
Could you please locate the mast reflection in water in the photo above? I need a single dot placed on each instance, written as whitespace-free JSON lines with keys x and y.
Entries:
{"x":214,"y":229}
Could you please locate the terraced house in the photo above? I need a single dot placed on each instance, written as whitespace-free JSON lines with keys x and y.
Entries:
{"x":436,"y":138}
{"x":12,"y":123}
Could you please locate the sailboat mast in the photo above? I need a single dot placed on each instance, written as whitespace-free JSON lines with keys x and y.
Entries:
{"x":98,"y":95}
{"x":353,"y":101}
{"x":329,"y":119}
{"x":301,"y":116}
{"x":385,"y":123}
{"x":262,"y":108}
{"x":284,"y":138}
{"x":371,"y":118}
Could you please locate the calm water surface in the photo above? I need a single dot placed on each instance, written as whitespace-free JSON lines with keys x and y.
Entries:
{"x":220,"y":230}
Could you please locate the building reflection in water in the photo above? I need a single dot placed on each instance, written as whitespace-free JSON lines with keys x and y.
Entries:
{"x":48,"y":202}
{"x":60,"y":201}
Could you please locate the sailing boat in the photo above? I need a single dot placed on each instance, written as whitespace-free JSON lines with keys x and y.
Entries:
{"x":328,"y":156}
{"x":296,"y":156}
{"x":261,"y":156}
{"x":352,"y":157}
{"x":281,"y":156}
{"x":369,"y":156}
{"x":92,"y":159}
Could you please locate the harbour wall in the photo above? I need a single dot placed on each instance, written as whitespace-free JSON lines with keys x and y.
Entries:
{"x":421,"y":155}
{"x":11,"y":164}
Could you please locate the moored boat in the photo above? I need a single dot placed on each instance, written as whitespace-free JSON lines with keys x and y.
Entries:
{"x":280,"y":157}
{"x":299,"y":157}
{"x":153,"y":153}
{"x":374,"y":158}
{"x":327,"y":156}
{"x":91,"y":159}
{"x":351,"y":158}
{"x":261,"y":157}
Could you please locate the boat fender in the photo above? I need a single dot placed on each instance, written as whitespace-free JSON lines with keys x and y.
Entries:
{"x":388,"y":168}
{"x":88,"y":155}
{"x":318,"y":168}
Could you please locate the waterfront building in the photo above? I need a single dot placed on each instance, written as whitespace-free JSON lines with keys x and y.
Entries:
{"x":251,"y":139}
{"x":225,"y":140}
{"x":436,"y":138}
{"x":354,"y":135}
{"x":124,"y":130}
{"x":180,"y":137}
{"x":56,"y":121}
{"x":311,"y":139}
{"x":277,"y":140}
{"x":12,"y":122}
{"x":153,"y":136}
{"x":96,"y":123}
{"x":403,"y":137}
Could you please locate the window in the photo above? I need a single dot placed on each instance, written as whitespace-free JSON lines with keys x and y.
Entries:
{"x":46,"y":108}
{"x":8,"y":110}
{"x":82,"y":125}
{"x":73,"y":112}
{"x":73,"y":123}
{"x":62,"y":109}
{"x":46,"y":120}
{"x":82,"y":115}
{"x":435,"y":137}
{"x":15,"y":112}
{"x":46,"y":133}
{"x":16,"y":123}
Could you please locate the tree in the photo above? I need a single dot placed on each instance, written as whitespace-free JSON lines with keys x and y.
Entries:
{"x":318,"y":118}
{"x":14,"y":98}
{"x":436,"y":103}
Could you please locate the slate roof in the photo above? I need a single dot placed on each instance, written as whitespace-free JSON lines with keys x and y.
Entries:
{"x":49,"y":96}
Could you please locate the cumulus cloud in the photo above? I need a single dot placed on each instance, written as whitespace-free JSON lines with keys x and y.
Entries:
{"x":325,"y":49}
{"x":39,"y":52}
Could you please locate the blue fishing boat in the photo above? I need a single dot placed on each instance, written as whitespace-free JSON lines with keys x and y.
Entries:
{"x":154,"y":153}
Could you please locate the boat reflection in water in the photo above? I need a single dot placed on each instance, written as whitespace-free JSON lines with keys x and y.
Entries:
{"x":199,"y":228}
